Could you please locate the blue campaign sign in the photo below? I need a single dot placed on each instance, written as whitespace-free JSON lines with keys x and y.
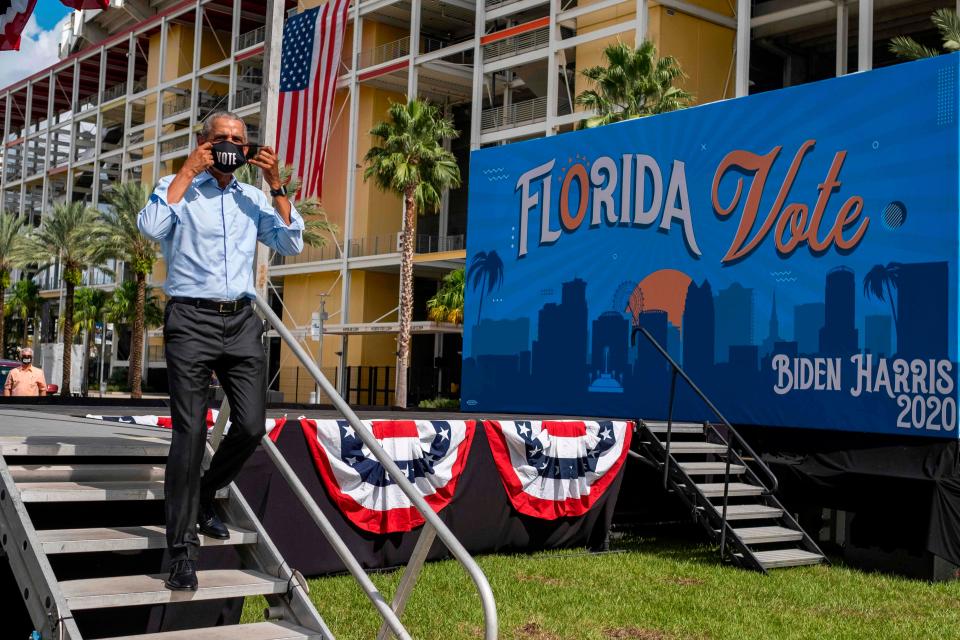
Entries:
{"x":795,"y":251}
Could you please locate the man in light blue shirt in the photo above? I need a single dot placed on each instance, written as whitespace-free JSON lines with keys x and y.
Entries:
{"x":208,"y":225}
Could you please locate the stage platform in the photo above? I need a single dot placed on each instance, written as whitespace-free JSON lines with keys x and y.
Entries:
{"x":36,"y":432}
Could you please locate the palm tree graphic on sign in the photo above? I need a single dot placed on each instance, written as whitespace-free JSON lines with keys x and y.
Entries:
{"x":880,"y":283}
{"x":486,"y":271}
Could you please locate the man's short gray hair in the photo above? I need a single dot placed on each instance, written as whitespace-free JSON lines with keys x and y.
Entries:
{"x":220,"y":113}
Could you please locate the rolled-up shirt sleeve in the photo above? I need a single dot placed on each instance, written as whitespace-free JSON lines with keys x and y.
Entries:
{"x":159,"y":217}
{"x":285,"y":239}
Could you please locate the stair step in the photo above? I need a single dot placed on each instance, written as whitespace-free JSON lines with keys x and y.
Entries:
{"x":695,"y":447}
{"x":94,"y":491}
{"x":710,"y":468}
{"x":787,"y":558}
{"x":258,"y":631}
{"x":715,"y":489}
{"x":750,"y":512}
{"x":128,"y":591}
{"x":660,"y":426}
{"x":86,"y":472}
{"x":131,"y":446}
{"x":768,"y":535}
{"x":95,"y":540}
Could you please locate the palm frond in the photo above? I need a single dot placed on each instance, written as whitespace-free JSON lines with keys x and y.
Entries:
{"x":909,"y":49}
{"x":948,"y":23}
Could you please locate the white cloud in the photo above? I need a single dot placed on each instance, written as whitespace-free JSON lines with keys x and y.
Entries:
{"x":38,"y":50}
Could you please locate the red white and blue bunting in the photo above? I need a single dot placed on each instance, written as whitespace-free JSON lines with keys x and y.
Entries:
{"x":553,"y":469}
{"x":433,"y":454}
{"x":272,"y":424}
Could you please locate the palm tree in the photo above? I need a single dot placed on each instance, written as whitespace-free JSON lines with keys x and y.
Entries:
{"x":447,"y":304}
{"x":11,"y":255}
{"x":315,"y":224}
{"x":487,"y":268}
{"x":634,"y":83}
{"x":73,"y":235}
{"x":121,"y":309}
{"x":24,"y":301}
{"x":947,"y":23}
{"x":883,"y":277}
{"x":89,"y":307}
{"x":410,"y":161}
{"x":125,"y":242}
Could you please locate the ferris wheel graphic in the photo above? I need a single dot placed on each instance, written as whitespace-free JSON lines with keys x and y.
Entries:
{"x":628,"y":298}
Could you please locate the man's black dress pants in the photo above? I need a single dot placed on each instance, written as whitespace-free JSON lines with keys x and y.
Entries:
{"x":199,"y":341}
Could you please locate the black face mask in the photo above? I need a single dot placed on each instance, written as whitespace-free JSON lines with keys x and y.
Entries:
{"x":26,"y":360}
{"x":228,"y":157}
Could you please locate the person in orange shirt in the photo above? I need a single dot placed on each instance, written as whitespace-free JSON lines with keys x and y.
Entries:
{"x":27,"y":380}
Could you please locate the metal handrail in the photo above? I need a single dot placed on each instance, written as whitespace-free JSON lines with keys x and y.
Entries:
{"x":433,"y":521}
{"x":731,"y":433}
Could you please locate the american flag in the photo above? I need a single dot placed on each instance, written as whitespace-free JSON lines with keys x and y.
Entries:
{"x":309,"y":64}
{"x":14,"y":15}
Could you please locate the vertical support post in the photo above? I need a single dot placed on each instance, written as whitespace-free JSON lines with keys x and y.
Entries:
{"x":97,"y":144}
{"x":234,"y":32}
{"x":412,"y":72}
{"x":4,"y":169}
{"x":642,"y":21}
{"x":195,"y":78}
{"x":743,"y":48}
{"x":409,"y":580}
{"x":127,"y":121}
{"x":476,"y":110}
{"x":164,"y":32}
{"x":865,"y":37}
{"x":350,"y":209}
{"x":269,"y":111}
{"x":47,"y":163}
{"x":666,"y":455}
{"x":553,"y":69}
{"x":843,"y":37}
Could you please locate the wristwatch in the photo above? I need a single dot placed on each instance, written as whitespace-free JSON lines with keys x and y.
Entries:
{"x":282,"y":191}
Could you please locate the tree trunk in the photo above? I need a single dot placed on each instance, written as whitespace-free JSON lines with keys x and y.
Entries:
{"x":137,"y":340}
{"x":103,"y":353}
{"x":3,"y":327}
{"x":26,"y":319}
{"x":67,"y":340}
{"x":406,"y":297}
{"x":85,"y":364}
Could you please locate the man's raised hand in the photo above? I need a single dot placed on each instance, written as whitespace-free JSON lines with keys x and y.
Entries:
{"x":199,"y":160}
{"x":266,"y":160}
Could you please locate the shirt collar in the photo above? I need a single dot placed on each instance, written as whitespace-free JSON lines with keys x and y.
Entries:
{"x":206,"y":176}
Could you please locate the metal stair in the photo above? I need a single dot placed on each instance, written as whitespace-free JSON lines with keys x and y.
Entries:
{"x":732,"y":503}
{"x":724,"y":483}
{"x":68,"y":480}
{"x":106,"y":477}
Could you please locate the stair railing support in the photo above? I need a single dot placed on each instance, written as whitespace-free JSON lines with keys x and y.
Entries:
{"x":455,"y":547}
{"x":666,"y":459}
{"x":726,"y":495}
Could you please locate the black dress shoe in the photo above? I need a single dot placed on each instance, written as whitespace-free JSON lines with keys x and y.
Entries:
{"x":183,"y":576}
{"x":210,"y":523}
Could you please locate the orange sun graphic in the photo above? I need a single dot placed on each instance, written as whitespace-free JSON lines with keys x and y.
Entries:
{"x":666,"y":290}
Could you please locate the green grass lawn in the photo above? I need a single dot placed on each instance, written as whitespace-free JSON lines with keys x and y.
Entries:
{"x":650,"y":589}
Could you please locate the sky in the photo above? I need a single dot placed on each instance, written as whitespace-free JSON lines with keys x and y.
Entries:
{"x":38,"y":46}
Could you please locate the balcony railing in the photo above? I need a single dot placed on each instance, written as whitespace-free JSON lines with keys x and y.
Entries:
{"x":169,"y":146}
{"x":384,"y":53}
{"x":328,"y":251}
{"x":246,"y":97}
{"x":251,"y":38}
{"x":115,"y":92}
{"x":373,"y":246}
{"x":519,"y":114}
{"x":179,"y":104}
{"x":437,"y":244}
{"x":516,"y":45}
